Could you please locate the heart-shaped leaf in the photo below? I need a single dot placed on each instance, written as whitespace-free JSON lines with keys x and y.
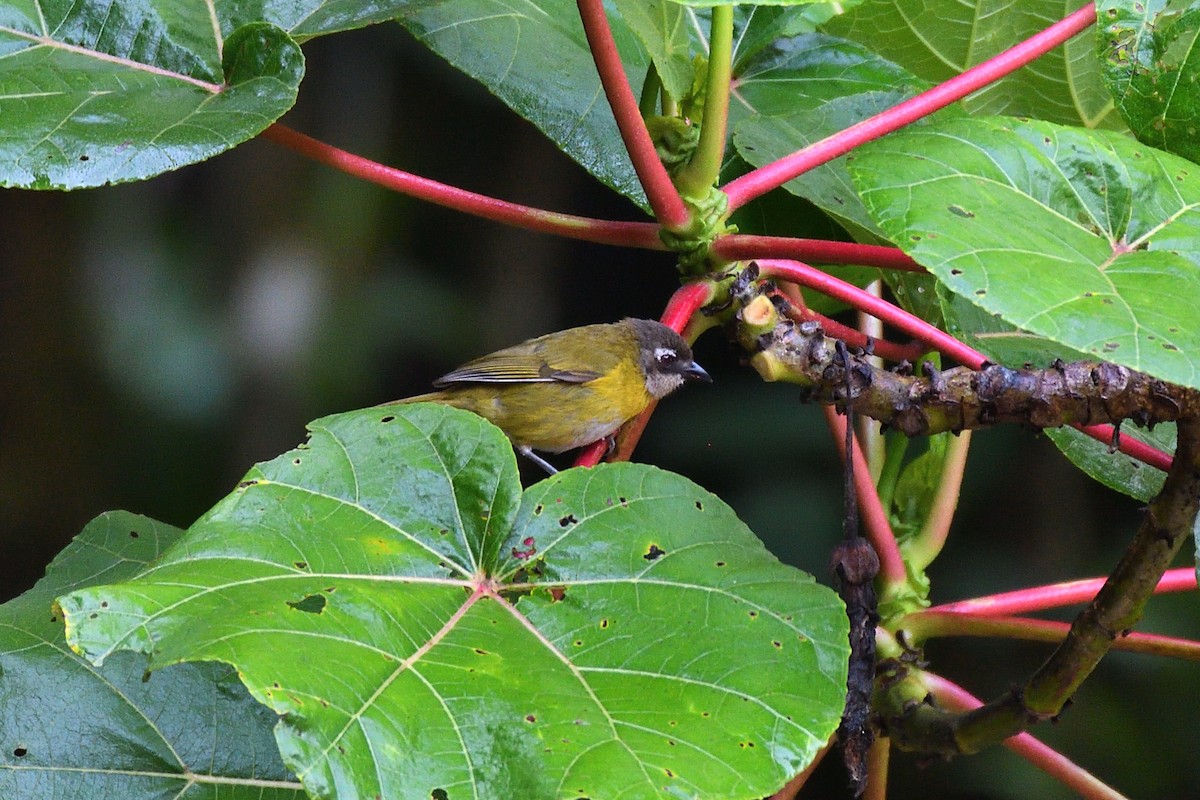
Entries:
{"x":424,"y":629}
{"x":1150,"y":63}
{"x":1085,"y":238}
{"x":71,"y":730}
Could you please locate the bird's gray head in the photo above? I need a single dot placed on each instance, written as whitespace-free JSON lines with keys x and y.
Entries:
{"x":666,"y":359}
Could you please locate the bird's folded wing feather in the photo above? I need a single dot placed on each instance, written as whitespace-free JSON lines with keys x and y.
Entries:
{"x":513,"y":368}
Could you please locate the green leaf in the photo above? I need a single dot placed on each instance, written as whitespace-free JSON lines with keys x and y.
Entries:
{"x":537,"y":61}
{"x":757,"y":27}
{"x":918,"y":485}
{"x":96,"y":92}
{"x":424,"y":629}
{"x":662,"y":28}
{"x":938,"y":39}
{"x":1116,"y":470}
{"x":1148,"y":51}
{"x":70,"y":730}
{"x":802,"y":90}
{"x":1085,"y":238}
{"x":105,"y":94}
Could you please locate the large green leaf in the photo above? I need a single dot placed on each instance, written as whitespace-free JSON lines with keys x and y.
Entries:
{"x":1151,"y":65}
{"x":938,"y":39}
{"x":1088,"y":239}
{"x":803,"y":89}
{"x":535,"y":58}
{"x":109,"y":94}
{"x":71,"y":730}
{"x":425,"y":630}
{"x":105,"y":91}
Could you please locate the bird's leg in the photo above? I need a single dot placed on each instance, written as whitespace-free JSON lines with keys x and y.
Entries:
{"x":527,"y":451}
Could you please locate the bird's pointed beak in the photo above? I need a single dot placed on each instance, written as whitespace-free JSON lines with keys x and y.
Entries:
{"x":695,"y":372}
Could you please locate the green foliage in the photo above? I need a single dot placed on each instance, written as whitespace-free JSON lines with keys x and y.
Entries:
{"x":68,"y":729}
{"x":1117,"y":470}
{"x":1084,"y":238}
{"x":662,"y":28}
{"x":806,"y":88}
{"x":513,"y":54}
{"x":938,"y":39}
{"x":1148,"y":53}
{"x":422,"y":625}
{"x":103,"y":105}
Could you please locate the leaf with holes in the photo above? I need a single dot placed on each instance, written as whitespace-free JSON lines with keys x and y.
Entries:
{"x":425,"y":629}
{"x":1150,"y":61}
{"x":70,"y":730}
{"x":1085,"y":238}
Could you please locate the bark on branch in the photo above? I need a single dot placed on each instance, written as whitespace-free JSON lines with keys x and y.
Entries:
{"x":1082,"y":392}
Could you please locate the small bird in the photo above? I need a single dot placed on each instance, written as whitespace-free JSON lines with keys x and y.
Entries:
{"x":571,"y":388}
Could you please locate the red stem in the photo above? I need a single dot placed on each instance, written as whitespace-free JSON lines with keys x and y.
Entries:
{"x":889,"y":351}
{"x":770,"y":176}
{"x":742,"y":246}
{"x":862,"y":300}
{"x":929,"y":623}
{"x":664,"y":199}
{"x":1039,"y":598}
{"x":875,"y":522}
{"x":938,"y":340}
{"x":628,"y":234}
{"x":1045,"y":758}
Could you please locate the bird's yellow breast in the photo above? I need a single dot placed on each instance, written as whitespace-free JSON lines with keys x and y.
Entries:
{"x":556,"y":416}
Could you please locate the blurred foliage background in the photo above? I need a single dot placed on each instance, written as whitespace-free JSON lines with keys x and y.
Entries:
{"x":159,"y":338}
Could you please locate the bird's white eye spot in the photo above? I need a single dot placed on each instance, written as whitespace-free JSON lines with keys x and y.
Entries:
{"x":665,"y":355}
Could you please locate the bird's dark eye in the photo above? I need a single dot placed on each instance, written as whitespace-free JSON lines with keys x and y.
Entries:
{"x":665,"y":356}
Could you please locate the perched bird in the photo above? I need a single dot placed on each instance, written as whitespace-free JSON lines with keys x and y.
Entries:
{"x":567,"y":389}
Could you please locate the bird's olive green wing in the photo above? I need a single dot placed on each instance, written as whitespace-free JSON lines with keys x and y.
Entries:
{"x":513,"y":366}
{"x":577,"y":355}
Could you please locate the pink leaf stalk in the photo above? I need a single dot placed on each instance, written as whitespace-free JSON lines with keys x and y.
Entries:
{"x":664,"y":199}
{"x":628,"y":234}
{"x":742,"y":246}
{"x":928,"y":624}
{"x":1040,"y":598}
{"x":1045,"y":758}
{"x":770,"y":176}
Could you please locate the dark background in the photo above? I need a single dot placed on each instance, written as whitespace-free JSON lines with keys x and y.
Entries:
{"x":157,"y":339}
